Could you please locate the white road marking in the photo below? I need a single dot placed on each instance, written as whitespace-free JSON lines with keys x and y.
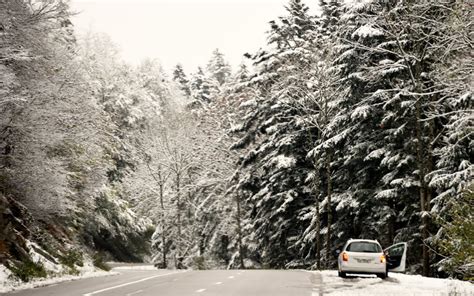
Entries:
{"x":127,"y":284}
{"x":136,"y":292}
{"x":231,"y":277}
{"x":200,"y":290}
{"x":218,"y":283}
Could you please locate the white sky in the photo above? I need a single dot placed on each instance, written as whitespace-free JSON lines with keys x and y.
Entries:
{"x":184,"y":31}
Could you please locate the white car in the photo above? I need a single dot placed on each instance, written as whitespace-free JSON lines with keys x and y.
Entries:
{"x":363,"y":256}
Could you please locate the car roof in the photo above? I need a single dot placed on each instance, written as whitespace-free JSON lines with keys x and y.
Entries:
{"x":363,"y":240}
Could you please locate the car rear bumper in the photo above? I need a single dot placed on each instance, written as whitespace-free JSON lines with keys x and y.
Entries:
{"x":364,"y":270}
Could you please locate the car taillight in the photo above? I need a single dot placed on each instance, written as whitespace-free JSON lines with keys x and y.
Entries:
{"x":382,"y":259}
{"x":345,"y":257}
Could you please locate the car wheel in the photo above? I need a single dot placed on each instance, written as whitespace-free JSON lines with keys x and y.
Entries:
{"x":341,"y":274}
{"x":382,"y":275}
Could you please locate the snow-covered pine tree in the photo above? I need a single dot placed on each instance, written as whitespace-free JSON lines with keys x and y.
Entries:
{"x":201,"y":89}
{"x":455,"y":240}
{"x":316,"y":111}
{"x":218,"y":68}
{"x":272,"y":173}
{"x":375,"y":156}
{"x":389,"y":55}
{"x":454,"y":166}
{"x":241,"y":75}
{"x":424,"y":36}
{"x":352,"y":130}
{"x":180,"y":77}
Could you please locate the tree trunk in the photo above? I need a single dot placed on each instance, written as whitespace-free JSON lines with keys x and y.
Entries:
{"x":239,"y":232}
{"x":429,"y":166}
{"x":424,"y":206}
{"x":178,"y":206}
{"x":391,"y":224}
{"x":163,"y":232}
{"x":329,"y":193}
{"x":317,"y":218}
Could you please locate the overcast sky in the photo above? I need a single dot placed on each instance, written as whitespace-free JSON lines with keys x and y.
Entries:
{"x":184,"y":31}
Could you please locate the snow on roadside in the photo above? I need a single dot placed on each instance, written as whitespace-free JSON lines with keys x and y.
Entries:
{"x":395,"y":284}
{"x":8,"y":284}
{"x":4,"y":274}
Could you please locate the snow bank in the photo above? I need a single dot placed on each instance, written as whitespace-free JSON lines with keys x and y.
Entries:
{"x":395,"y":284}
{"x":8,"y":284}
{"x":4,"y":274}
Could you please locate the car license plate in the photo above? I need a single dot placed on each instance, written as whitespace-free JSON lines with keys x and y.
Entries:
{"x":364,"y":260}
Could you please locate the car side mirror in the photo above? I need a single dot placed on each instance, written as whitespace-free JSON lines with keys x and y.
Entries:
{"x":337,"y":252}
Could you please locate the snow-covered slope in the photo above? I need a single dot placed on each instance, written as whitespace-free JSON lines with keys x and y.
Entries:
{"x":395,"y":284}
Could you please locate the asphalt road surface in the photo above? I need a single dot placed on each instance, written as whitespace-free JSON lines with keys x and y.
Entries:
{"x":176,"y":283}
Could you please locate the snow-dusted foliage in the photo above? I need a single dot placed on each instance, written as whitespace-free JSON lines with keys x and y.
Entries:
{"x":218,"y":68}
{"x":45,"y":124}
{"x":181,"y":179}
{"x":179,"y":76}
{"x":272,"y":173}
{"x":69,"y":109}
{"x":355,"y":122}
{"x":402,"y":91}
{"x":201,"y":88}
{"x":376,"y":121}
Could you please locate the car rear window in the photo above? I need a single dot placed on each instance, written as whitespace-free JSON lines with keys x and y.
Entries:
{"x":364,"y":247}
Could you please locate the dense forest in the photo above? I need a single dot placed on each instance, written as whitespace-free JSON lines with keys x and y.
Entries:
{"x":355,"y":121}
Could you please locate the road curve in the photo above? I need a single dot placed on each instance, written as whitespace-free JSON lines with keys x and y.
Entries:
{"x":176,"y":283}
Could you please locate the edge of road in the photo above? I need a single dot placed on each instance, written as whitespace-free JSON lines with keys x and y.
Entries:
{"x":316,"y":279}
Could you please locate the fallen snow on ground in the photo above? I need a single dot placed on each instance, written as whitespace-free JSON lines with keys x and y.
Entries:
{"x":4,"y":274}
{"x":8,"y":284}
{"x":395,"y":284}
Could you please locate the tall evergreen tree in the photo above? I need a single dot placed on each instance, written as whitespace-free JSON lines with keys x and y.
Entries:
{"x":180,"y":77}
{"x":218,"y":68}
{"x":201,"y":88}
{"x":388,"y":58}
{"x":242,"y":73}
{"x":273,"y":172}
